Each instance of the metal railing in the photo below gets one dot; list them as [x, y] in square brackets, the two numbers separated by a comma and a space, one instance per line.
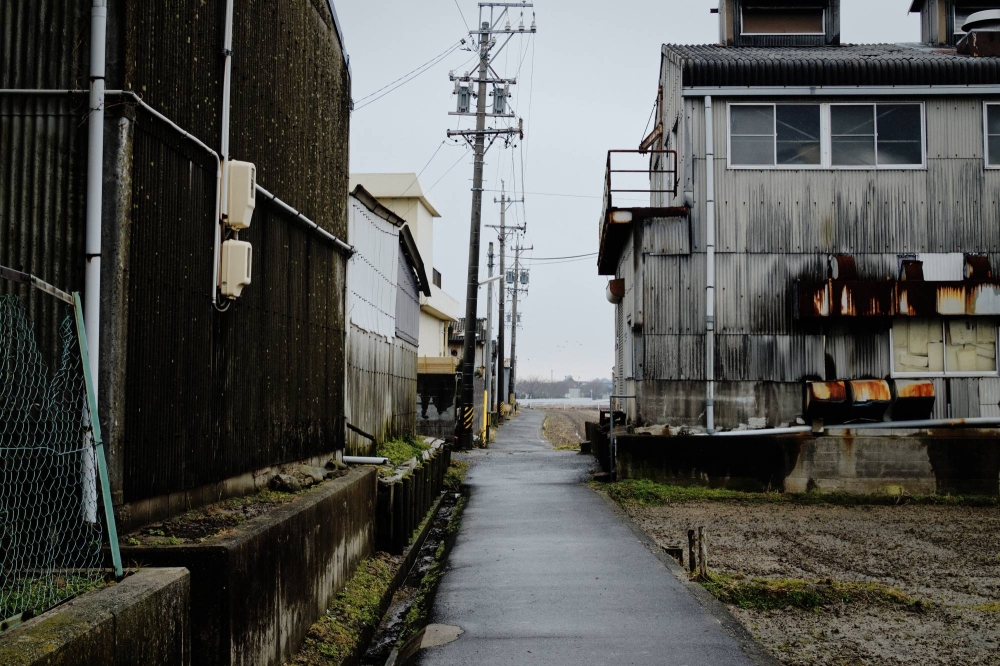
[53, 473]
[667, 169]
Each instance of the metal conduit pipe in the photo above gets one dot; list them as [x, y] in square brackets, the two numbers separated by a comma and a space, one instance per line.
[92, 241]
[709, 270]
[222, 207]
[341, 245]
[364, 460]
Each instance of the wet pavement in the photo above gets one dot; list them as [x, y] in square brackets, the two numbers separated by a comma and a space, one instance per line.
[545, 572]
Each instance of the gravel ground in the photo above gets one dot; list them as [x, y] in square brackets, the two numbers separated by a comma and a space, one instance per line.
[564, 427]
[947, 557]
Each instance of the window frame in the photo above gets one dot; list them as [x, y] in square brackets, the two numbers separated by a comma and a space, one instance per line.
[894, 374]
[986, 135]
[743, 33]
[826, 141]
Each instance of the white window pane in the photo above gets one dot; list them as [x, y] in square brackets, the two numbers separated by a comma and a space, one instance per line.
[853, 150]
[994, 148]
[798, 128]
[752, 150]
[900, 139]
[752, 120]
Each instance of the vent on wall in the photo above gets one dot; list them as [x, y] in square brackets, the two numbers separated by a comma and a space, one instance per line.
[783, 20]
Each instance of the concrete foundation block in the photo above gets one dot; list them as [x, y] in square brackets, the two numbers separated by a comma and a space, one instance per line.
[144, 619]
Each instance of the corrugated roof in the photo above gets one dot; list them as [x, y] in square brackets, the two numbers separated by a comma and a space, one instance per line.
[847, 65]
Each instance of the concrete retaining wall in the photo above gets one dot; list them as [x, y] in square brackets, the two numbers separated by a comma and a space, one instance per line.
[958, 462]
[257, 590]
[403, 499]
[140, 621]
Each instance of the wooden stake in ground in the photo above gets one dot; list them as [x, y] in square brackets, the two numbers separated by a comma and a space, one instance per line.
[692, 562]
[702, 553]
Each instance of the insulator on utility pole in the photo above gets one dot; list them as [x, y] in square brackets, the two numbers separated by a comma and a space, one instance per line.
[487, 42]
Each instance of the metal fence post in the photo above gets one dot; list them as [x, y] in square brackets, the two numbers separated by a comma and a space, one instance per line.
[102, 465]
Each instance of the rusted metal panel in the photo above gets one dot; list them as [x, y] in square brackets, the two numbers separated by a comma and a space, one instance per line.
[889, 298]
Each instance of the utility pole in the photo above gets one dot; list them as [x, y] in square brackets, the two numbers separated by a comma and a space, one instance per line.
[487, 352]
[502, 231]
[477, 138]
[513, 319]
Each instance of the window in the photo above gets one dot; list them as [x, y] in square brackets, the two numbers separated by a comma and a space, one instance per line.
[848, 136]
[783, 21]
[943, 348]
[876, 135]
[992, 134]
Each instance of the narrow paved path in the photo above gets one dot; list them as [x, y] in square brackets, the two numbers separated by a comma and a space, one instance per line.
[544, 572]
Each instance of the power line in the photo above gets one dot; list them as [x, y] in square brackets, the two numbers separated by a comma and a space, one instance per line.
[409, 76]
[571, 256]
[463, 16]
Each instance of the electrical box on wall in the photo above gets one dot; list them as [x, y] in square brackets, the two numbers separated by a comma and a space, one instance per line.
[242, 194]
[237, 257]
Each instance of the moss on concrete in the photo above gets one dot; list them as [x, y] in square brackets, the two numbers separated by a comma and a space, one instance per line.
[334, 637]
[417, 616]
[455, 475]
[398, 451]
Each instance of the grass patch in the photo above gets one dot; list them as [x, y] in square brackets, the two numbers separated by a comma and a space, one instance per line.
[455, 475]
[398, 451]
[993, 607]
[642, 492]
[334, 637]
[762, 594]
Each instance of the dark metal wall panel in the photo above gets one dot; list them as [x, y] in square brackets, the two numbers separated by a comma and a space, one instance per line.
[407, 302]
[43, 146]
[869, 65]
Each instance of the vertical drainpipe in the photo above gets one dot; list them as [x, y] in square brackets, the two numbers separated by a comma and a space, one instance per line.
[95, 183]
[222, 198]
[709, 269]
[92, 243]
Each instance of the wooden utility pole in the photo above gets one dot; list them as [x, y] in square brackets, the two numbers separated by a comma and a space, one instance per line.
[502, 231]
[513, 320]
[477, 138]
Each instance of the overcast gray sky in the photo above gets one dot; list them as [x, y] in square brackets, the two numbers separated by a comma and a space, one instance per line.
[586, 85]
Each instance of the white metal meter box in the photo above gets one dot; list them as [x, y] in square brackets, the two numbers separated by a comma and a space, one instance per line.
[242, 194]
[237, 257]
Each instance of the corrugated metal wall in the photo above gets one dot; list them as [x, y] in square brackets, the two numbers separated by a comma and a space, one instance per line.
[407, 303]
[381, 396]
[776, 227]
[43, 147]
[210, 396]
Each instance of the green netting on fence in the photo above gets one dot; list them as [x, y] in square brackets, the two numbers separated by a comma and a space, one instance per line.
[51, 532]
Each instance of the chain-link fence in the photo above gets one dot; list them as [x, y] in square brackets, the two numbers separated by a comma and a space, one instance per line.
[53, 527]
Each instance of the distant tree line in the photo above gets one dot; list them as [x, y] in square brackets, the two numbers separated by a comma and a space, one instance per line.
[539, 387]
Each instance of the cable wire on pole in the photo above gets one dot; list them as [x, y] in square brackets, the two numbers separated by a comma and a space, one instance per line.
[409, 76]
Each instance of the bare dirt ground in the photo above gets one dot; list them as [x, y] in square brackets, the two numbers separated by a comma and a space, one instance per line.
[564, 427]
[947, 557]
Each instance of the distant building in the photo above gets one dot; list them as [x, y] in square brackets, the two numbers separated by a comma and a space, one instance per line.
[821, 237]
[403, 194]
[456, 342]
